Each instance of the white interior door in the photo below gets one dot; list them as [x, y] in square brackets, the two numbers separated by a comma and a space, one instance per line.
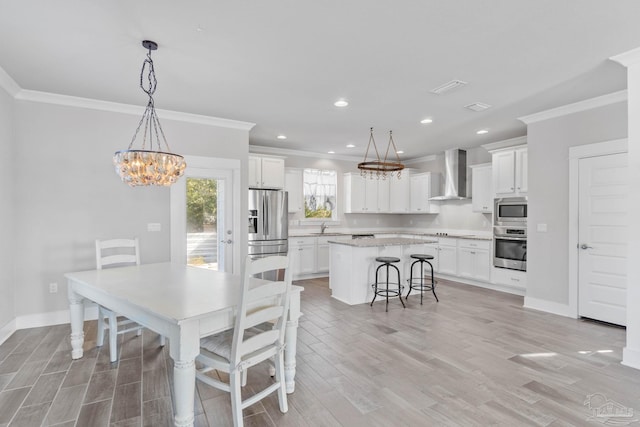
[602, 245]
[202, 227]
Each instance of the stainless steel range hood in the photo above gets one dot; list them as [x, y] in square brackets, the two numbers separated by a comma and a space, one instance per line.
[455, 175]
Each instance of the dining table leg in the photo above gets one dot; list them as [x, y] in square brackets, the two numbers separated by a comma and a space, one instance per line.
[184, 347]
[76, 311]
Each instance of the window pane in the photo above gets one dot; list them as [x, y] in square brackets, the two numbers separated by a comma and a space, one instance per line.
[202, 222]
[319, 188]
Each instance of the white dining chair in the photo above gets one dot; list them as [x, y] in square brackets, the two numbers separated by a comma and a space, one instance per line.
[109, 254]
[258, 335]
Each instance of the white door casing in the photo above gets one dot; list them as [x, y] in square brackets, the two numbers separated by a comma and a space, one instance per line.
[602, 242]
[228, 172]
[576, 154]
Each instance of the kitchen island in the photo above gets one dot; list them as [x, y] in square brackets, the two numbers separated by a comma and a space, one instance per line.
[353, 264]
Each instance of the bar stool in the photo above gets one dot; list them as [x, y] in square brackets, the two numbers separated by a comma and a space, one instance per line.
[387, 262]
[422, 258]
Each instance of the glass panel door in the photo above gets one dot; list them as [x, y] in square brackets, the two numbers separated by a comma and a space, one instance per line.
[205, 222]
[202, 206]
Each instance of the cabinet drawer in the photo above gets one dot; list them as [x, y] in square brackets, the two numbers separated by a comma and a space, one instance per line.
[512, 278]
[475, 244]
[448, 241]
[298, 241]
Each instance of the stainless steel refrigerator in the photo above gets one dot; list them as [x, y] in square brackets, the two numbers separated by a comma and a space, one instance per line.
[268, 223]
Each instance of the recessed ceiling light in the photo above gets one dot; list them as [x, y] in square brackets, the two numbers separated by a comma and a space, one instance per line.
[482, 131]
[400, 152]
[351, 146]
[331, 152]
[341, 103]
[426, 121]
[281, 136]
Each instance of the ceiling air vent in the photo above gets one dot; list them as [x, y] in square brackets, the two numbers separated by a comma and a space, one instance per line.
[453, 84]
[477, 106]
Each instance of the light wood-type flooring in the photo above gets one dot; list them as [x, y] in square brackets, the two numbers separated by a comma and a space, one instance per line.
[476, 358]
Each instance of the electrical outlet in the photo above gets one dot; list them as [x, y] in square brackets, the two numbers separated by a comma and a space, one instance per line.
[53, 288]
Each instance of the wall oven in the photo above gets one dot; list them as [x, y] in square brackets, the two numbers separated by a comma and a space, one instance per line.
[510, 211]
[510, 247]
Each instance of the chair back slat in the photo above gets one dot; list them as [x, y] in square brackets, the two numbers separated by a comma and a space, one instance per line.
[267, 338]
[117, 252]
[261, 301]
[267, 290]
[264, 315]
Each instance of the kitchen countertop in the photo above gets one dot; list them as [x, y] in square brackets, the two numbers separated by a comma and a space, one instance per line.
[380, 241]
[378, 233]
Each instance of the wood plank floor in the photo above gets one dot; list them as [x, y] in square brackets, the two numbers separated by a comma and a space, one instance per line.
[476, 358]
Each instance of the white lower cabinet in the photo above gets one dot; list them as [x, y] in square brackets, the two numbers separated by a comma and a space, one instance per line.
[509, 278]
[474, 259]
[302, 253]
[432, 249]
[448, 255]
[322, 255]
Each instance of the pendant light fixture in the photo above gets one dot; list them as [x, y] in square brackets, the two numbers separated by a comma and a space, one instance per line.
[380, 168]
[149, 166]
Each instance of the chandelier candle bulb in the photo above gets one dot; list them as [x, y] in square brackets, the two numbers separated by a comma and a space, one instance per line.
[149, 166]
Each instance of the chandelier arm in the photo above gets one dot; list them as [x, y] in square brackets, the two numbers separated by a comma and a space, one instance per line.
[135, 135]
[159, 126]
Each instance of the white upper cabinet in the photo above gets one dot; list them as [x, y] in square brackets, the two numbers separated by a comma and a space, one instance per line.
[522, 161]
[365, 195]
[482, 188]
[266, 172]
[423, 187]
[400, 193]
[510, 172]
[293, 186]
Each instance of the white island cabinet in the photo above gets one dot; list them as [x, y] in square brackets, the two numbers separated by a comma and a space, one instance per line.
[353, 265]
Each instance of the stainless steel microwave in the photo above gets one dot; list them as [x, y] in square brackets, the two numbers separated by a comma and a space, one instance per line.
[510, 211]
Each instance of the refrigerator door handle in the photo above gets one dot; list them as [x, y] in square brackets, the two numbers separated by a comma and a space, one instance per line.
[265, 222]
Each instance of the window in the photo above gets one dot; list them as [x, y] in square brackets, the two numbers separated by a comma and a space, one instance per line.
[319, 189]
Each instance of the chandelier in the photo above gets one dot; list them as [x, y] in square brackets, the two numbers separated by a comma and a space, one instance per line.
[146, 166]
[379, 168]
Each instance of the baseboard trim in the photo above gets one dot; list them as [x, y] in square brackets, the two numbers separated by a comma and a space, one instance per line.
[548, 306]
[52, 318]
[486, 285]
[631, 357]
[7, 330]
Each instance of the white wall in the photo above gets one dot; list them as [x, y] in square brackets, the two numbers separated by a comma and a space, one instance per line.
[7, 226]
[549, 142]
[67, 193]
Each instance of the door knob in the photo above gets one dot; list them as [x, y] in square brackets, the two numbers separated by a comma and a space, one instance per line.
[585, 246]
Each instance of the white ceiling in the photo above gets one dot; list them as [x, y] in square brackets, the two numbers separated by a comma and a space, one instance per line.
[282, 63]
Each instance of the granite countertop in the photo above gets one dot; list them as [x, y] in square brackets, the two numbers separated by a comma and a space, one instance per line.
[381, 241]
[414, 233]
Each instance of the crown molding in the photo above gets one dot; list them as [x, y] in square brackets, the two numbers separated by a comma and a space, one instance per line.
[628, 58]
[8, 84]
[428, 158]
[587, 104]
[261, 149]
[507, 143]
[94, 104]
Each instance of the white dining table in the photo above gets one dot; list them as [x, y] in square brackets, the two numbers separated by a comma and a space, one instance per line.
[180, 302]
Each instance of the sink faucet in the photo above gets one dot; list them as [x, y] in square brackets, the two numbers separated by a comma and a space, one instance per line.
[323, 227]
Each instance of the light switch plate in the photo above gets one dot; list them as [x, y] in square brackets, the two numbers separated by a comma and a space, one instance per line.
[154, 226]
[542, 228]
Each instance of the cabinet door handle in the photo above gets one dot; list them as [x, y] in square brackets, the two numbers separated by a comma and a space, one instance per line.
[472, 253]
